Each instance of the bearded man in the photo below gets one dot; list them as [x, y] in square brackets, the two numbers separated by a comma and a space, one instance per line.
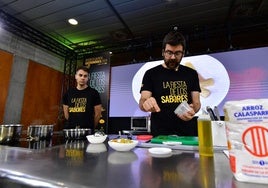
[167, 85]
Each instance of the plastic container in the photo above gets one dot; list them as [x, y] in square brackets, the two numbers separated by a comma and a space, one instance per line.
[182, 108]
[205, 142]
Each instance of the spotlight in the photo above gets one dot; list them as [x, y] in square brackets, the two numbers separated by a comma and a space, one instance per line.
[73, 21]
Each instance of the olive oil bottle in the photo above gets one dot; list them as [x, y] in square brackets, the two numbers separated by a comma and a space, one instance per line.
[205, 135]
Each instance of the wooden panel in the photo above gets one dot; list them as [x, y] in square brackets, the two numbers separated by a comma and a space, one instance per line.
[42, 96]
[6, 61]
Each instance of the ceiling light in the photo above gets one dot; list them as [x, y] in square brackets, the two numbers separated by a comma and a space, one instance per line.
[73, 21]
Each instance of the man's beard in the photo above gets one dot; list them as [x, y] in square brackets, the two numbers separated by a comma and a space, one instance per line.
[172, 63]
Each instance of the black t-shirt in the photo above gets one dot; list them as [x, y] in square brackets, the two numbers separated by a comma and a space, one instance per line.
[170, 88]
[81, 107]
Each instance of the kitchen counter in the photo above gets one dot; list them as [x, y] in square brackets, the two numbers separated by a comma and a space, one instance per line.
[78, 164]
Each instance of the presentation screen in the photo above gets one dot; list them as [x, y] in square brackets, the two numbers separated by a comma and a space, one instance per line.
[224, 76]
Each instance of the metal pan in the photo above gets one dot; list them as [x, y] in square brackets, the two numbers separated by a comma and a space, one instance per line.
[10, 133]
[40, 132]
[76, 134]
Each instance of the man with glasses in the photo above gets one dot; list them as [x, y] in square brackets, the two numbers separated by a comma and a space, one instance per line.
[167, 85]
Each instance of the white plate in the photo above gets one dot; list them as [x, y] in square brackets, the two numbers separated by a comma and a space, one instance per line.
[160, 151]
[172, 143]
[161, 156]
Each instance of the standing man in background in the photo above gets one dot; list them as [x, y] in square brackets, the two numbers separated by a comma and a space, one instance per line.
[82, 104]
[167, 85]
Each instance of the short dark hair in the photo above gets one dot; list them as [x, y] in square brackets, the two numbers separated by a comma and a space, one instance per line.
[174, 38]
[84, 68]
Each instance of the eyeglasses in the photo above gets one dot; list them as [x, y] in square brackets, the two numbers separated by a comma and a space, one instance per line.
[169, 53]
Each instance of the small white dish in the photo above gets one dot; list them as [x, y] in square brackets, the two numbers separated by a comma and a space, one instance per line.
[161, 156]
[160, 151]
[172, 143]
[96, 139]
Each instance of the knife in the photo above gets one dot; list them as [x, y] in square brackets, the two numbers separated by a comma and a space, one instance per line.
[211, 114]
[216, 111]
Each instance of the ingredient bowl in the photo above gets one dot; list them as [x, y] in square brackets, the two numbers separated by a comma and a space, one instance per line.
[123, 144]
[96, 139]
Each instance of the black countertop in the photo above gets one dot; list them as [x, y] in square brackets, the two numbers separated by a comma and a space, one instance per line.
[78, 164]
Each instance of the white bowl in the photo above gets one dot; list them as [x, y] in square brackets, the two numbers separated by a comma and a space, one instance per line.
[119, 146]
[96, 139]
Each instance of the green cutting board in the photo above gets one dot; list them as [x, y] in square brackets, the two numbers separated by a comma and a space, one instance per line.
[185, 140]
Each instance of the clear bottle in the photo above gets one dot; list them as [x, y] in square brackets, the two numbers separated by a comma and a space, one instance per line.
[205, 135]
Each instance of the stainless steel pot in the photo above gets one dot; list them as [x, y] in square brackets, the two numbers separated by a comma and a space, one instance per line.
[10, 133]
[76, 134]
[46, 132]
[40, 132]
[33, 132]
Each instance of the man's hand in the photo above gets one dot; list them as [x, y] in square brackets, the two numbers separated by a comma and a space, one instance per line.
[187, 116]
[150, 105]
